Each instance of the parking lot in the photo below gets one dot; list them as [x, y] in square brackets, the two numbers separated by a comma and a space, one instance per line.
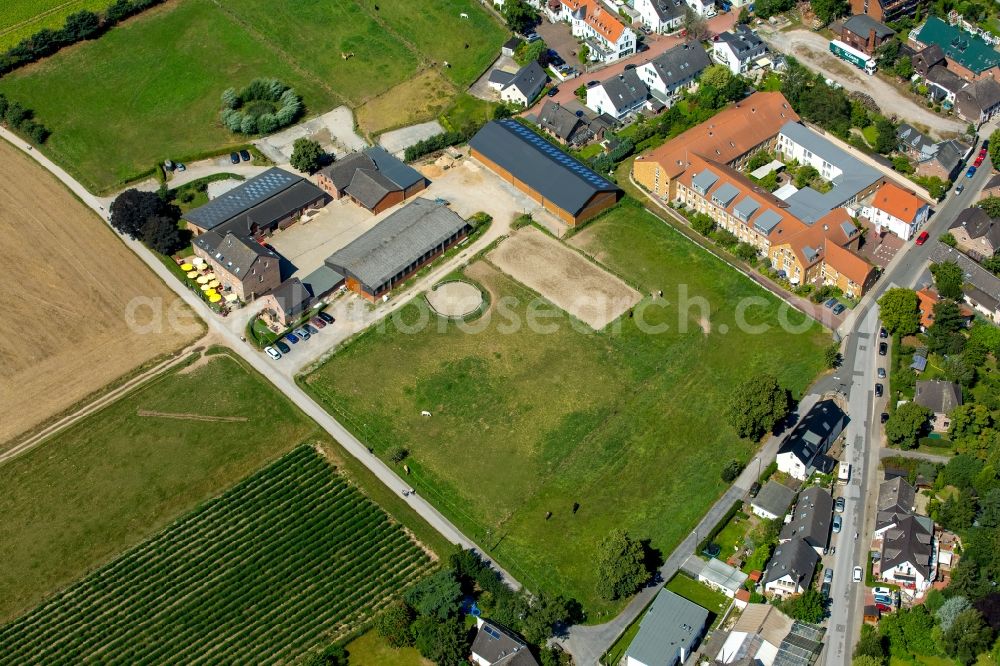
[306, 245]
[561, 40]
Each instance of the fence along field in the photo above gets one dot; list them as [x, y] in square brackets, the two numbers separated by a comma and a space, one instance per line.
[287, 559]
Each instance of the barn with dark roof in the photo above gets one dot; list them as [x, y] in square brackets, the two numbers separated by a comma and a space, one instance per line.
[564, 186]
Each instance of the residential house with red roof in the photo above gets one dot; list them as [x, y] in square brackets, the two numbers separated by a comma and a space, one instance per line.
[898, 210]
[606, 37]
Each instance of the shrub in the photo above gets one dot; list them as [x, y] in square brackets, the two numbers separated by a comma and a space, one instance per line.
[731, 470]
[263, 106]
[398, 454]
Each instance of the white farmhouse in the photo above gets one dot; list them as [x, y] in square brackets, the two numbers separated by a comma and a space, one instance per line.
[673, 71]
[810, 439]
[606, 37]
[662, 16]
[738, 49]
[897, 210]
[521, 87]
[619, 97]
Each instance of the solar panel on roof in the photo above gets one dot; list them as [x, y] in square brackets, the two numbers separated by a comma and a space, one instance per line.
[491, 632]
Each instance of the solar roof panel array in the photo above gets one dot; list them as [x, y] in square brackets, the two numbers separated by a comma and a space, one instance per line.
[242, 198]
[556, 154]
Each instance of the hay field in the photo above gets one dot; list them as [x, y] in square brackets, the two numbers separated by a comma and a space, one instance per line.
[565, 277]
[68, 283]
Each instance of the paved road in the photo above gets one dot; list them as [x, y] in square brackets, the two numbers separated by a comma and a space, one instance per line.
[813, 50]
[863, 444]
[259, 362]
[588, 643]
[657, 45]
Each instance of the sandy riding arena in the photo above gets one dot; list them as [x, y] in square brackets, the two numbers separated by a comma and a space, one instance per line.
[68, 283]
[455, 299]
[564, 277]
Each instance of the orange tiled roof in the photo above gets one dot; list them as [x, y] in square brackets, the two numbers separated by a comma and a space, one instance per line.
[599, 18]
[728, 134]
[848, 264]
[927, 298]
[897, 202]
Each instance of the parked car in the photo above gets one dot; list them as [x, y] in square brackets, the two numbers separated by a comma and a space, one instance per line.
[880, 373]
[325, 317]
[181, 167]
[291, 337]
[169, 165]
[840, 504]
[825, 590]
[959, 189]
[971, 172]
[272, 352]
[883, 591]
[883, 599]
[838, 523]
[532, 37]
[245, 155]
[302, 333]
[859, 574]
[234, 158]
[282, 347]
[830, 302]
[883, 608]
[922, 238]
[310, 329]
[317, 322]
[878, 390]
[883, 349]
[983, 151]
[884, 417]
[838, 308]
[828, 576]
[754, 489]
[552, 91]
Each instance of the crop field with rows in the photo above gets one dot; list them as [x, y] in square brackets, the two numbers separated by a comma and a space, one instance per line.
[288, 559]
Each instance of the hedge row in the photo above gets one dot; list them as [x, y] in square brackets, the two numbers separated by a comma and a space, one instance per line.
[78, 27]
[22, 121]
[704, 543]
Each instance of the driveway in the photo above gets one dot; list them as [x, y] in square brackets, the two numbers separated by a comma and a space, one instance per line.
[813, 50]
[334, 130]
[657, 45]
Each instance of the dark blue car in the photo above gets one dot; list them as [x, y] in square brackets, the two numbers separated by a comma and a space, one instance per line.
[971, 172]
[291, 337]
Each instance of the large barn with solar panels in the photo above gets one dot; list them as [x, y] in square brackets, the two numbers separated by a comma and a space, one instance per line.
[266, 202]
[564, 186]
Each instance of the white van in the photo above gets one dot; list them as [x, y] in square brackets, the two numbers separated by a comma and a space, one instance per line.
[844, 473]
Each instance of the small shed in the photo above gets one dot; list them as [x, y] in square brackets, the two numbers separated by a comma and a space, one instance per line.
[510, 47]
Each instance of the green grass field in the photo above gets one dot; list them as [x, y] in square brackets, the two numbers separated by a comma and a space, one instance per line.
[116, 477]
[287, 560]
[149, 89]
[626, 424]
[712, 601]
[23, 18]
[370, 650]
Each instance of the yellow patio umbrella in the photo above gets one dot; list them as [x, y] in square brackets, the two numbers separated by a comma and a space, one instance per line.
[213, 283]
[210, 276]
[214, 298]
[205, 287]
[186, 267]
[203, 280]
[192, 274]
[210, 291]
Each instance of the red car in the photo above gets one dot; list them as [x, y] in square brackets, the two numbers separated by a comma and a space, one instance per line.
[922, 238]
[979, 161]
[982, 153]
[883, 608]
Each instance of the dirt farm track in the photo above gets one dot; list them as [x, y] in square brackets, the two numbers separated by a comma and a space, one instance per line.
[67, 286]
[564, 277]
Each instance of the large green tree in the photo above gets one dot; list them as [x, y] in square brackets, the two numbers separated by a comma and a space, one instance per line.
[393, 625]
[899, 311]
[531, 52]
[435, 596]
[445, 642]
[870, 644]
[907, 424]
[991, 205]
[810, 606]
[307, 155]
[621, 566]
[967, 638]
[757, 405]
[885, 136]
[519, 15]
[948, 278]
[827, 10]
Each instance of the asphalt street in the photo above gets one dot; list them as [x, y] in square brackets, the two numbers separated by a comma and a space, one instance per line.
[863, 444]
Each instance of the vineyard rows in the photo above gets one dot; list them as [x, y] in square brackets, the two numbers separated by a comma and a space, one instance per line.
[286, 559]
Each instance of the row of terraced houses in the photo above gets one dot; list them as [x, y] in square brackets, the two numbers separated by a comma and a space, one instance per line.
[809, 236]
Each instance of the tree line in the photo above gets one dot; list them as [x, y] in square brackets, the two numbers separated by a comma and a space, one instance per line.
[22, 120]
[78, 26]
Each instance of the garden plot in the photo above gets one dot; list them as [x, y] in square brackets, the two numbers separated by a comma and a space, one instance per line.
[564, 277]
